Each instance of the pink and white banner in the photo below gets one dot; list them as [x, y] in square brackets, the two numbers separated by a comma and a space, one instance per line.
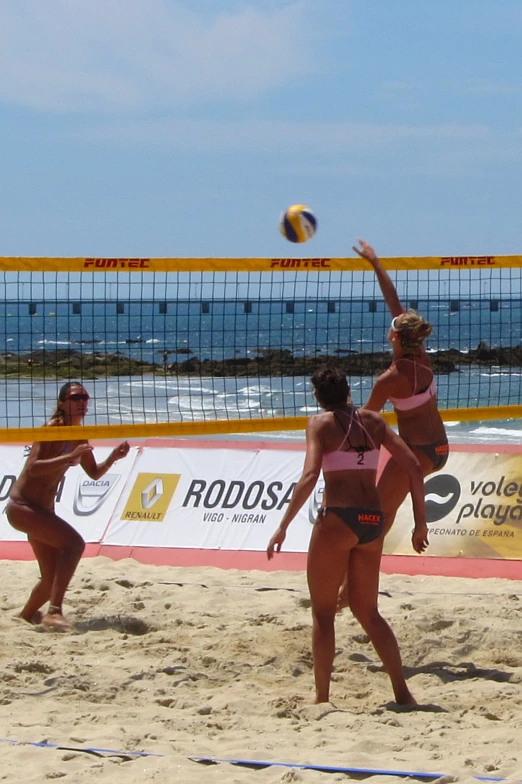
[170, 496]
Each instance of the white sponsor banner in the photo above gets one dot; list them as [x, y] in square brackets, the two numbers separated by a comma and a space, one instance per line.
[12, 459]
[234, 499]
[85, 503]
[209, 498]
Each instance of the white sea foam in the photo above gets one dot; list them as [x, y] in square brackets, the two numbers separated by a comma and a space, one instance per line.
[502, 374]
[54, 342]
[159, 399]
[497, 432]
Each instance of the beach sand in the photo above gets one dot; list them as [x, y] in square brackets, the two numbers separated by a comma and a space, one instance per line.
[182, 662]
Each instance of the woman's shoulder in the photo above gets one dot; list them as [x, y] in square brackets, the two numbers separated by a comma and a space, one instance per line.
[369, 417]
[372, 422]
[389, 375]
[320, 419]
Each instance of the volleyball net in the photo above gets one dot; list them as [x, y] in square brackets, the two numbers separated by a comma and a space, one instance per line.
[170, 347]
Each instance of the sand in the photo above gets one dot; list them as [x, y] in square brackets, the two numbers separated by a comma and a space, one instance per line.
[182, 662]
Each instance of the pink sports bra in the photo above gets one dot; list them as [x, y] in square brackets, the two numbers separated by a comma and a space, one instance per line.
[417, 399]
[353, 458]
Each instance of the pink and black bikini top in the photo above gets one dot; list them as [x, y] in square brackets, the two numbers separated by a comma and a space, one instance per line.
[355, 457]
[418, 398]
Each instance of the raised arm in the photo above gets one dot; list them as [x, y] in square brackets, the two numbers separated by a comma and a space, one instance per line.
[378, 396]
[42, 465]
[97, 470]
[303, 488]
[389, 292]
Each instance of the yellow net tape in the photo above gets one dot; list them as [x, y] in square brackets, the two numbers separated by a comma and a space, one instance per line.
[220, 427]
[308, 264]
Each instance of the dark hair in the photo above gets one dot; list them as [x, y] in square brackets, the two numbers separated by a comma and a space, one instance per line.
[62, 395]
[331, 386]
[413, 329]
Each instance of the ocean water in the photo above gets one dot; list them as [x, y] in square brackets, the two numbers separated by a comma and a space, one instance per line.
[227, 331]
[25, 403]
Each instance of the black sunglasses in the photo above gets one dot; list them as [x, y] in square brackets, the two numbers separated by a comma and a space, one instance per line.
[79, 396]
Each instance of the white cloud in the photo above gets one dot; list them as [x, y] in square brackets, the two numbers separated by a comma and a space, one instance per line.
[64, 55]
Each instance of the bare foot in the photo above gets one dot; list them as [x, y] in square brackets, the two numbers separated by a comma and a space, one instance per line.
[55, 622]
[33, 619]
[405, 698]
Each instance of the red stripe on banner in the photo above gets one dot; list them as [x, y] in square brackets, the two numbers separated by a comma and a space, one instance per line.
[193, 443]
[291, 562]
[22, 551]
[223, 559]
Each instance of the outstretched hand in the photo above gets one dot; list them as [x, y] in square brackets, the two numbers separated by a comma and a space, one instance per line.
[419, 539]
[365, 251]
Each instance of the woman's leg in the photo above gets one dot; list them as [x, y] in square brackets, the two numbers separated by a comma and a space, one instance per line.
[47, 557]
[44, 527]
[363, 589]
[328, 555]
[393, 487]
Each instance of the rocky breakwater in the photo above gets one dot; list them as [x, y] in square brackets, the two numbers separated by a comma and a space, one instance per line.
[69, 363]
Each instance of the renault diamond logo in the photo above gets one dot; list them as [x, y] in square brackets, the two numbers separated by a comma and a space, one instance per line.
[91, 493]
[150, 497]
[151, 493]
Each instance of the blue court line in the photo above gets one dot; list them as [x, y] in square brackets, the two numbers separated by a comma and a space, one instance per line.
[251, 587]
[384, 592]
[85, 749]
[246, 763]
[257, 764]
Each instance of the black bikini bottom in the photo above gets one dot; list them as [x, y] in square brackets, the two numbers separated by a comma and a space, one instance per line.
[438, 453]
[367, 524]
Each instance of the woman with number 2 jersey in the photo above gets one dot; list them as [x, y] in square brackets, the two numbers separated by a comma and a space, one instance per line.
[344, 442]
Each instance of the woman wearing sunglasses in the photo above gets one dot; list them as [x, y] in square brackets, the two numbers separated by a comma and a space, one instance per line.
[57, 546]
[409, 385]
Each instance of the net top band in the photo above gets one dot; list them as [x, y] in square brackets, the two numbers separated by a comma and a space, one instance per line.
[304, 264]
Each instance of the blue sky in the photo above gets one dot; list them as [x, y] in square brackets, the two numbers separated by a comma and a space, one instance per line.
[163, 128]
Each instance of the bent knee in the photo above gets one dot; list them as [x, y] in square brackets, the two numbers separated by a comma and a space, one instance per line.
[16, 517]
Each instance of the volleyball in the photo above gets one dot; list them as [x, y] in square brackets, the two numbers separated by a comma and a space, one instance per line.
[298, 223]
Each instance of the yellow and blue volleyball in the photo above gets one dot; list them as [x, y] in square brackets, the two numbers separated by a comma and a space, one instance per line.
[298, 223]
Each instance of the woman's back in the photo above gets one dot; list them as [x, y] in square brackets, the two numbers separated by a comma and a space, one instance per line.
[414, 398]
[350, 441]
